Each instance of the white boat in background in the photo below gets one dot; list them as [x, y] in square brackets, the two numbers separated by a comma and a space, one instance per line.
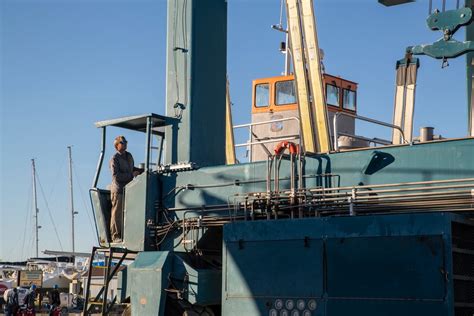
[58, 273]
[8, 278]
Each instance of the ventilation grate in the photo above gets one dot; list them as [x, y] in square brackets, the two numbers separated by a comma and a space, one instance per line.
[463, 268]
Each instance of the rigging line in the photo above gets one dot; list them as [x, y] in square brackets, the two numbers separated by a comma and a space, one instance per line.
[56, 180]
[30, 245]
[84, 201]
[28, 209]
[49, 211]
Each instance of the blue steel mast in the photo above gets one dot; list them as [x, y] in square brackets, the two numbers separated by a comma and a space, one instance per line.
[470, 73]
[196, 81]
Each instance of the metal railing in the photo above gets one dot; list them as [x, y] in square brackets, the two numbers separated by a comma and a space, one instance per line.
[366, 119]
[266, 140]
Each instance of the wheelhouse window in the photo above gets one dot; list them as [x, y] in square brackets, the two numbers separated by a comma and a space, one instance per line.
[349, 100]
[285, 92]
[262, 95]
[332, 95]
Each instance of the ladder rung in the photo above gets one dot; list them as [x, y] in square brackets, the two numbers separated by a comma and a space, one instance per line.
[462, 250]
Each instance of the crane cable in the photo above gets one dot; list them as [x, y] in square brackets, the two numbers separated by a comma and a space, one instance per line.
[49, 211]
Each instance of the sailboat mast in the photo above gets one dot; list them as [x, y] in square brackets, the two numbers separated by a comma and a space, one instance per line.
[72, 197]
[35, 200]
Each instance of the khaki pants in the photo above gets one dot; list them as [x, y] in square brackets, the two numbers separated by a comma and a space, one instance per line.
[116, 216]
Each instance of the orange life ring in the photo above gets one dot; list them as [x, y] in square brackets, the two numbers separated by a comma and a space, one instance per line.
[280, 148]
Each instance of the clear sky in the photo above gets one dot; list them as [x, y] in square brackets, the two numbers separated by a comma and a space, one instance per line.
[66, 64]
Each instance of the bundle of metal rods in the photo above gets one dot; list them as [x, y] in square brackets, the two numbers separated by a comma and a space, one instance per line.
[455, 195]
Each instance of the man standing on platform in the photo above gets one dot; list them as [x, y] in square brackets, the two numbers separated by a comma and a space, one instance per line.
[123, 171]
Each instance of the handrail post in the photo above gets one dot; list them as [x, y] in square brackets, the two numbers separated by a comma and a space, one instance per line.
[335, 131]
[250, 142]
[148, 143]
[367, 119]
[101, 159]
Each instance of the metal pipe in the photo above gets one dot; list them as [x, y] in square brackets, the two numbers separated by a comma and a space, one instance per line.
[371, 195]
[335, 198]
[300, 183]
[273, 140]
[300, 171]
[395, 196]
[399, 184]
[85, 309]
[398, 196]
[341, 197]
[269, 174]
[430, 188]
[148, 143]
[451, 203]
[162, 140]
[95, 220]
[427, 202]
[71, 196]
[366, 119]
[101, 159]
[250, 144]
[287, 54]
[267, 122]
[106, 280]
[449, 200]
[35, 203]
[326, 191]
[276, 175]
[407, 204]
[330, 189]
[371, 140]
[424, 201]
[335, 133]
[351, 206]
[292, 174]
[292, 181]
[447, 204]
[371, 192]
[276, 185]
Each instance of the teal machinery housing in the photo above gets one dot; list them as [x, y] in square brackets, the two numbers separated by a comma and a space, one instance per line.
[375, 231]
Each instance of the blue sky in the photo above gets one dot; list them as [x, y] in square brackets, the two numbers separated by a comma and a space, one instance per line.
[67, 64]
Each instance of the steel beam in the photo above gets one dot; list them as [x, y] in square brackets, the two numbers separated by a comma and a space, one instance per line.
[196, 81]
